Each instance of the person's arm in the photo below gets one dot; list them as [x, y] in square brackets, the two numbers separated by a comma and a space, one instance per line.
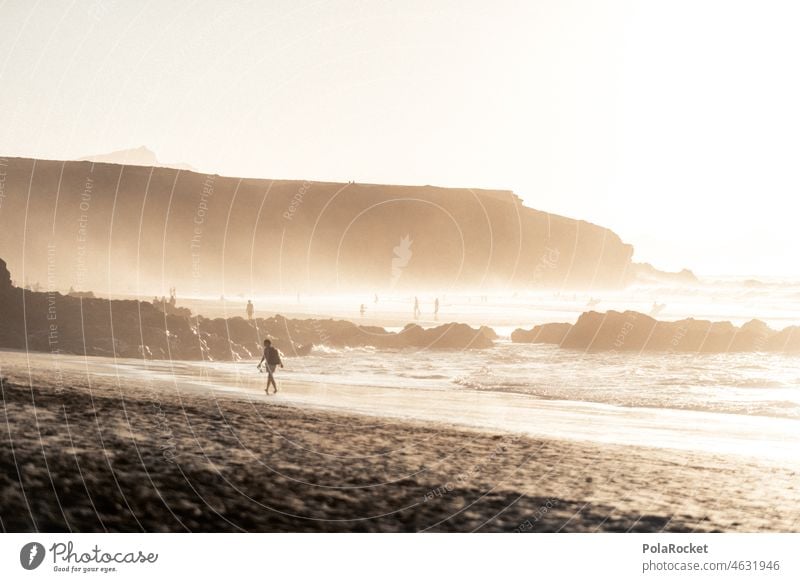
[280, 360]
[264, 357]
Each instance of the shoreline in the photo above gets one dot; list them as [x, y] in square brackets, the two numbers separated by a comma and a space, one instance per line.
[94, 456]
[751, 437]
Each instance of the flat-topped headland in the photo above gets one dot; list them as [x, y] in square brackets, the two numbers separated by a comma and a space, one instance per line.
[111, 224]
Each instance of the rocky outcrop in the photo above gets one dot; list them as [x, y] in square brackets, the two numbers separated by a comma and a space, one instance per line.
[548, 333]
[489, 333]
[647, 274]
[633, 331]
[786, 340]
[5, 279]
[214, 234]
[53, 322]
[141, 156]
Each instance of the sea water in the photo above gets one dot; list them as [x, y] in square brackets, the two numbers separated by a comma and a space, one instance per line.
[731, 403]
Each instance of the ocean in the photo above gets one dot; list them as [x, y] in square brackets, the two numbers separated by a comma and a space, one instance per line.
[729, 403]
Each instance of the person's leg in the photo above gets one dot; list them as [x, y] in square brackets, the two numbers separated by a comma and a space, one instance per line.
[271, 380]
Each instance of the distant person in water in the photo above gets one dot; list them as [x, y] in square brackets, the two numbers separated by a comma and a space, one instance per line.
[416, 308]
[436, 308]
[362, 309]
[250, 309]
[271, 360]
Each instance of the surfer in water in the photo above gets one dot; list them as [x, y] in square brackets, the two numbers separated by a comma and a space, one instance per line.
[271, 360]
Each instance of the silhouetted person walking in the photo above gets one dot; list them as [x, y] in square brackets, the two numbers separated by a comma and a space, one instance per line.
[250, 310]
[271, 360]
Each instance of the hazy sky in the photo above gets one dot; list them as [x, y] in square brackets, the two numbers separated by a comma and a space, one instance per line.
[675, 123]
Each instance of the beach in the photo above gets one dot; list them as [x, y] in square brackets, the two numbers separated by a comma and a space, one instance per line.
[90, 444]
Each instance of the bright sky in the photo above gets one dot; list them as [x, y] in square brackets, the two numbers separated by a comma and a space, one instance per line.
[675, 123]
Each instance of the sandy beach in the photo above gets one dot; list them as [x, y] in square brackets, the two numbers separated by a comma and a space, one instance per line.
[89, 451]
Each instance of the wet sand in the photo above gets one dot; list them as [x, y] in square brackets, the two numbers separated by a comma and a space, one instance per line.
[102, 453]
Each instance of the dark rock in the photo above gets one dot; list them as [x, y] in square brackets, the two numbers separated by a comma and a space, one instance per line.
[787, 340]
[609, 331]
[633, 331]
[454, 336]
[648, 274]
[136, 329]
[489, 333]
[5, 278]
[548, 333]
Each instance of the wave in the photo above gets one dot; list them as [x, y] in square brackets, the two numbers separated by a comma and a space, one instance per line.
[757, 383]
[470, 383]
[323, 349]
[424, 376]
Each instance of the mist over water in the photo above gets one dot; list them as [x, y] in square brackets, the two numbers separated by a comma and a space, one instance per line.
[739, 383]
[775, 302]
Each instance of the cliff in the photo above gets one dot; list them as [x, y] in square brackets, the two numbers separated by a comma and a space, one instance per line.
[132, 229]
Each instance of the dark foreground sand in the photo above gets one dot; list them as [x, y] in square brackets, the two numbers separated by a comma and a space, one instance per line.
[100, 460]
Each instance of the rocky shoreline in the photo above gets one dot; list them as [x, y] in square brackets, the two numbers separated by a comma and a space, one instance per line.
[634, 331]
[52, 322]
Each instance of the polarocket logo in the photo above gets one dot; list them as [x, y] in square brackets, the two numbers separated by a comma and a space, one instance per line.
[31, 555]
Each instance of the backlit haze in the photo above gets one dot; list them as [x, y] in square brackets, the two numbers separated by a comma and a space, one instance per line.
[675, 124]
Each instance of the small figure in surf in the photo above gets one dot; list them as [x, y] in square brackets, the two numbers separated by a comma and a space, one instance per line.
[250, 310]
[362, 309]
[416, 308]
[271, 360]
[436, 308]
